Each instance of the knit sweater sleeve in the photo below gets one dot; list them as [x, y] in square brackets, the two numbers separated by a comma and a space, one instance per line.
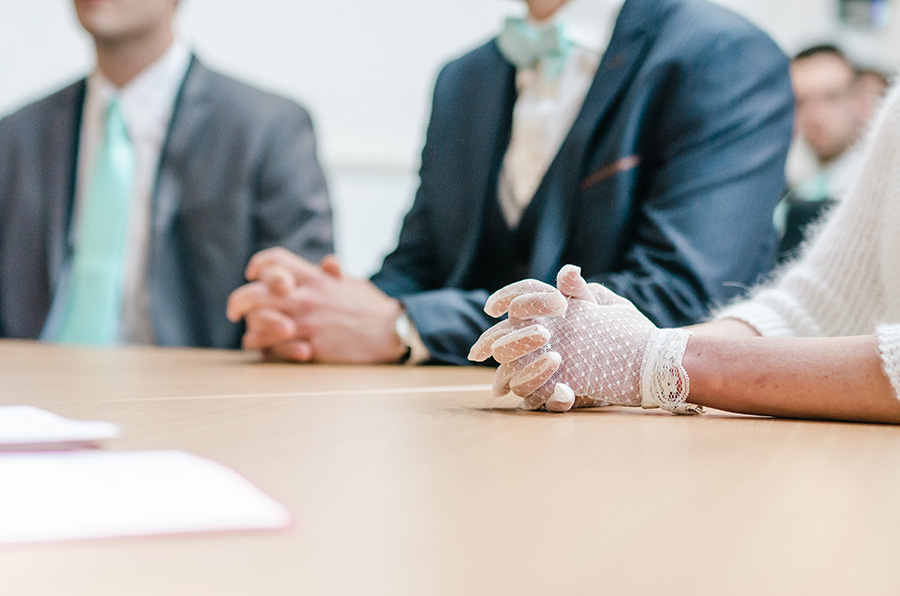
[889, 349]
[848, 280]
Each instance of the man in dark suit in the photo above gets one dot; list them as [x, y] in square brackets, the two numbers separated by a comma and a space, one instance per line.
[643, 140]
[210, 172]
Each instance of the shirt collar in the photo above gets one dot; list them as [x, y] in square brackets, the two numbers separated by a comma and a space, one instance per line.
[148, 99]
[588, 24]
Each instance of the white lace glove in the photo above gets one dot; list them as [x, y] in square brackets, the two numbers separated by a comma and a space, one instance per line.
[582, 345]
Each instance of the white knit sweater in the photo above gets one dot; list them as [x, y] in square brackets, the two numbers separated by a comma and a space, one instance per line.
[848, 280]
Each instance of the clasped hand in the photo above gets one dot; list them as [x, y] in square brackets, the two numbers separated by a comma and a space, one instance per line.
[580, 345]
[295, 310]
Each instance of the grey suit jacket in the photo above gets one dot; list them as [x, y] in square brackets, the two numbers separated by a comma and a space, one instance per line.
[238, 173]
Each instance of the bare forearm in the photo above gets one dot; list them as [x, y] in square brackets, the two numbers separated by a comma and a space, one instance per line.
[817, 378]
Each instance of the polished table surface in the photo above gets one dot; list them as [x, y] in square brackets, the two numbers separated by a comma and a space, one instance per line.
[409, 480]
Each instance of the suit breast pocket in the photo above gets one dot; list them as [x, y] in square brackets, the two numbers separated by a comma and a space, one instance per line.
[607, 171]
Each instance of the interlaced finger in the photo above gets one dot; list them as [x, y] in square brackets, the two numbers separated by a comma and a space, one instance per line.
[538, 304]
[536, 373]
[498, 303]
[481, 349]
[501, 380]
[518, 343]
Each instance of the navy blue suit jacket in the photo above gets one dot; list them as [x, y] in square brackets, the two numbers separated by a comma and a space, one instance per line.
[663, 189]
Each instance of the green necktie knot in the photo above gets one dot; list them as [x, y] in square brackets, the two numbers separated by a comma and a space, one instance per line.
[526, 46]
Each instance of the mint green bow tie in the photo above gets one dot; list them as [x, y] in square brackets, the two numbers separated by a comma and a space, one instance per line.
[526, 46]
[94, 303]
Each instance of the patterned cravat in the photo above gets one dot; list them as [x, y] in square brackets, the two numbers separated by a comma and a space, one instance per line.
[94, 304]
[526, 46]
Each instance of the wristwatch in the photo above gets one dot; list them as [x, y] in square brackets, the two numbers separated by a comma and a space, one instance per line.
[404, 330]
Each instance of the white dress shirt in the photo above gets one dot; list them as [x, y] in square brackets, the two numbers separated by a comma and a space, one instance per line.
[147, 102]
[546, 109]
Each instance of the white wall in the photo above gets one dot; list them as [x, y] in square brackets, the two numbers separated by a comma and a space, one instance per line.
[365, 69]
[796, 24]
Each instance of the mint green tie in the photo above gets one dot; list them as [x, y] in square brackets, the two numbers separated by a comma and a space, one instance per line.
[94, 304]
[525, 45]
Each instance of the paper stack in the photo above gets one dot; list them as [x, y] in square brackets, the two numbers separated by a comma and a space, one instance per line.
[26, 428]
[55, 486]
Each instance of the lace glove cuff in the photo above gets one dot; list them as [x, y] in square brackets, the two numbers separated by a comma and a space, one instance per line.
[664, 382]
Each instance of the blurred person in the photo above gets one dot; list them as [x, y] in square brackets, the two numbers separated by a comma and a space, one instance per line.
[831, 115]
[822, 341]
[871, 84]
[643, 138]
[131, 200]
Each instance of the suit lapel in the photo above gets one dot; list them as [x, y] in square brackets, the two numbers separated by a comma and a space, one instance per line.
[58, 181]
[188, 120]
[488, 137]
[625, 54]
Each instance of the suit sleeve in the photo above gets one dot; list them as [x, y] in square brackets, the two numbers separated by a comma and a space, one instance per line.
[448, 320]
[709, 183]
[292, 205]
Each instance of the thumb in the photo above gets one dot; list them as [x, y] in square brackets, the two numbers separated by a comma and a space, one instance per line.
[571, 284]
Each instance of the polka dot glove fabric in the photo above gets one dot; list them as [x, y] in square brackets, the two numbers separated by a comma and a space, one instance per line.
[581, 345]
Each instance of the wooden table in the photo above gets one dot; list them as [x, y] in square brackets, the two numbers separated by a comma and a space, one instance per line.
[416, 481]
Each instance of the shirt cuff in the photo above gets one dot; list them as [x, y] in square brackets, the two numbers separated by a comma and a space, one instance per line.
[418, 352]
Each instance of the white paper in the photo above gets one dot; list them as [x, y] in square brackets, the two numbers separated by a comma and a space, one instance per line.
[70, 495]
[27, 427]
